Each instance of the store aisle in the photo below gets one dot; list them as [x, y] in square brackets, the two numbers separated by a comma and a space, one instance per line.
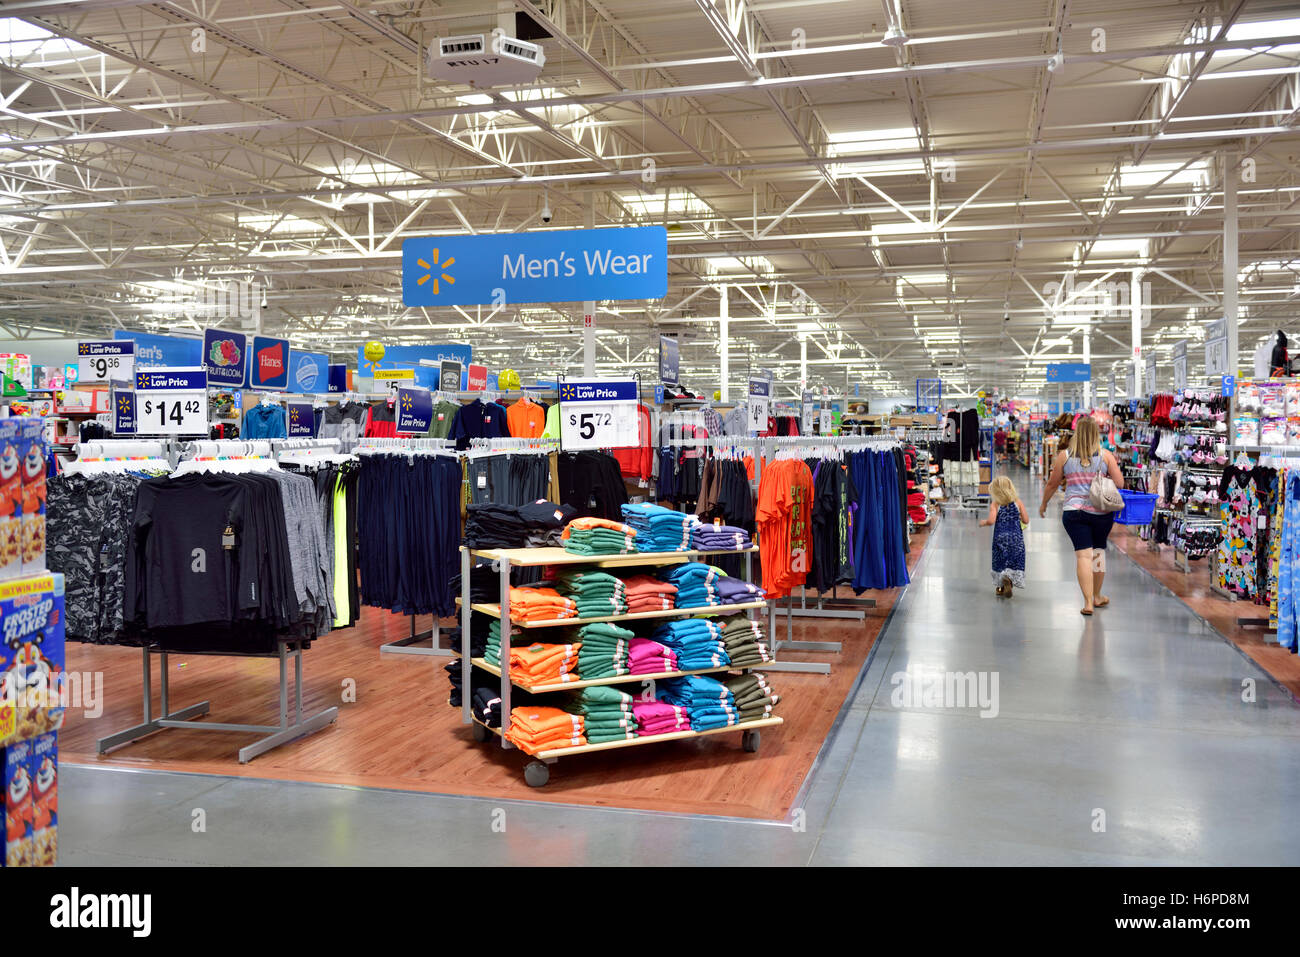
[1136, 713]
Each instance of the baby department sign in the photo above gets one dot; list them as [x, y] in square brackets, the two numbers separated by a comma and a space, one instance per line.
[571, 265]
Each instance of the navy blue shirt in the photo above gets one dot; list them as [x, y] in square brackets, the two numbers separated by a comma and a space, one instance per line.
[478, 420]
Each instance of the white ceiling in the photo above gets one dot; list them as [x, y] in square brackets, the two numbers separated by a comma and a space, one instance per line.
[928, 199]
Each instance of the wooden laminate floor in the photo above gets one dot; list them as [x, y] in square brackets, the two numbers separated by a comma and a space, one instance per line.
[1193, 589]
[400, 733]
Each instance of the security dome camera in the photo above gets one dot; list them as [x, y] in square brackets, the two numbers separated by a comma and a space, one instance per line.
[546, 213]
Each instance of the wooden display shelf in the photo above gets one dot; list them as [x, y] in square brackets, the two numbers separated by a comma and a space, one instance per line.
[532, 557]
[495, 612]
[616, 680]
[553, 753]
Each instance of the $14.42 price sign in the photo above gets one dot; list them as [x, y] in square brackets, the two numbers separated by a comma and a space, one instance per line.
[171, 402]
[598, 413]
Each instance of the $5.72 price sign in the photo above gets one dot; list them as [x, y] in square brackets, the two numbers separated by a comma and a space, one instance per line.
[171, 402]
[106, 361]
[598, 413]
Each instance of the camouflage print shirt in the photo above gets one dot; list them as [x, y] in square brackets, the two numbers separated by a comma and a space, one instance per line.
[88, 519]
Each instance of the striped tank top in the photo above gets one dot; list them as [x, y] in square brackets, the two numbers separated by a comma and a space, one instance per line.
[1078, 476]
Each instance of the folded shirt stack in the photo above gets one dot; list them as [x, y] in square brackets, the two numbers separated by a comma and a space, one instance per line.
[596, 594]
[607, 714]
[745, 641]
[753, 696]
[659, 529]
[486, 706]
[708, 701]
[537, 728]
[485, 699]
[646, 657]
[539, 664]
[717, 538]
[647, 593]
[540, 604]
[604, 651]
[492, 646]
[660, 717]
[697, 643]
[696, 584]
[598, 536]
[490, 525]
[735, 591]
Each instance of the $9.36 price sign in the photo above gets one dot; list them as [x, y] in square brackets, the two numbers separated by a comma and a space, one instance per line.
[171, 402]
[112, 360]
[598, 413]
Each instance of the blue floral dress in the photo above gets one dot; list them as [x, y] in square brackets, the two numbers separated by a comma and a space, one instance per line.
[1008, 547]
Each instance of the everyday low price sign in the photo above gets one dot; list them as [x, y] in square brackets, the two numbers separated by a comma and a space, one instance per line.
[415, 409]
[105, 361]
[598, 413]
[301, 420]
[171, 402]
[123, 412]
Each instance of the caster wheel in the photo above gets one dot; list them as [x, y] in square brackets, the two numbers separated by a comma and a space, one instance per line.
[749, 741]
[481, 734]
[536, 774]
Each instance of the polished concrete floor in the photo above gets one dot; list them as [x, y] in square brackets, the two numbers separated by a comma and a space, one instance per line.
[1123, 739]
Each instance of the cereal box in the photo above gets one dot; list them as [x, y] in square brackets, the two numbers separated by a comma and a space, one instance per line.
[11, 499]
[32, 657]
[33, 451]
[43, 770]
[18, 805]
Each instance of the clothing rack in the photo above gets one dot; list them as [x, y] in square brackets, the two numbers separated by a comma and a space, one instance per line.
[288, 729]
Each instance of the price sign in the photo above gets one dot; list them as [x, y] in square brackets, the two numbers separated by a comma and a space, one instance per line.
[415, 408]
[1180, 365]
[1150, 383]
[171, 402]
[760, 401]
[1216, 347]
[105, 361]
[598, 414]
[123, 412]
[301, 420]
[1110, 390]
[809, 412]
[1130, 384]
[827, 423]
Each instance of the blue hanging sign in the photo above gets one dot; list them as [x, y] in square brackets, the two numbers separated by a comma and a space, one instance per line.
[1069, 372]
[670, 360]
[301, 420]
[225, 356]
[571, 265]
[308, 371]
[1229, 385]
[268, 367]
[338, 378]
[414, 410]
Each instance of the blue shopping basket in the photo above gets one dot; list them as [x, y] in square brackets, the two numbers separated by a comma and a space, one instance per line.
[1138, 508]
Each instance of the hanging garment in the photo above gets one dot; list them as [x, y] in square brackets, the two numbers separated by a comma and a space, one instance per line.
[592, 484]
[526, 419]
[344, 422]
[1240, 508]
[1288, 612]
[880, 550]
[783, 518]
[478, 420]
[265, 422]
[381, 421]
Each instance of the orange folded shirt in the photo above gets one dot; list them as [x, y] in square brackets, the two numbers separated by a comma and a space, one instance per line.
[586, 524]
[538, 728]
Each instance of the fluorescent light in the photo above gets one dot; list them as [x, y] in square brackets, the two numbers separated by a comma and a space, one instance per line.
[756, 264]
[921, 279]
[895, 139]
[677, 202]
[1135, 177]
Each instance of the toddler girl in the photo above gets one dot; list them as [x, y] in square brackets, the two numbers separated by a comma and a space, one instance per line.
[1009, 518]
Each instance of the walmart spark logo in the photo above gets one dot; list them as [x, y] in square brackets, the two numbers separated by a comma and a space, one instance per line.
[407, 400]
[124, 404]
[568, 392]
[436, 268]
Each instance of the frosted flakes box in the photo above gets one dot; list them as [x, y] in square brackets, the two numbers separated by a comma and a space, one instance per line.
[32, 656]
[43, 769]
[11, 499]
[18, 805]
[32, 526]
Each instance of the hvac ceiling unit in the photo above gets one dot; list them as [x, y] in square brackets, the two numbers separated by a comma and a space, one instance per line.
[477, 61]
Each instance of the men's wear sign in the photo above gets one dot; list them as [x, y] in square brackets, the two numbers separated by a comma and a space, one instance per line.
[301, 420]
[105, 361]
[158, 352]
[598, 413]
[308, 372]
[572, 265]
[269, 366]
[670, 360]
[171, 402]
[225, 356]
[415, 409]
[123, 412]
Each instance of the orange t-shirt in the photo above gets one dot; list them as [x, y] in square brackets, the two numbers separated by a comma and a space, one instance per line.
[587, 524]
[784, 519]
[526, 419]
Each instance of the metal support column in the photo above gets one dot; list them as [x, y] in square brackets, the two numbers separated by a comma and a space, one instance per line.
[1230, 256]
[724, 345]
[1135, 330]
[503, 566]
[466, 666]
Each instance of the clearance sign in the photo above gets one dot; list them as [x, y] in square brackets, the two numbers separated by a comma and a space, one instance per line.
[564, 265]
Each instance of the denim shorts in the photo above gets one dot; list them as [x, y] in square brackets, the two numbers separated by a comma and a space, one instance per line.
[1087, 529]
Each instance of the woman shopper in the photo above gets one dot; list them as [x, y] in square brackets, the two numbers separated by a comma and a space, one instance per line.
[1087, 526]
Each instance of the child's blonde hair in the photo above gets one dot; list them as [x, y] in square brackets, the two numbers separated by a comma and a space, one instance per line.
[1003, 492]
